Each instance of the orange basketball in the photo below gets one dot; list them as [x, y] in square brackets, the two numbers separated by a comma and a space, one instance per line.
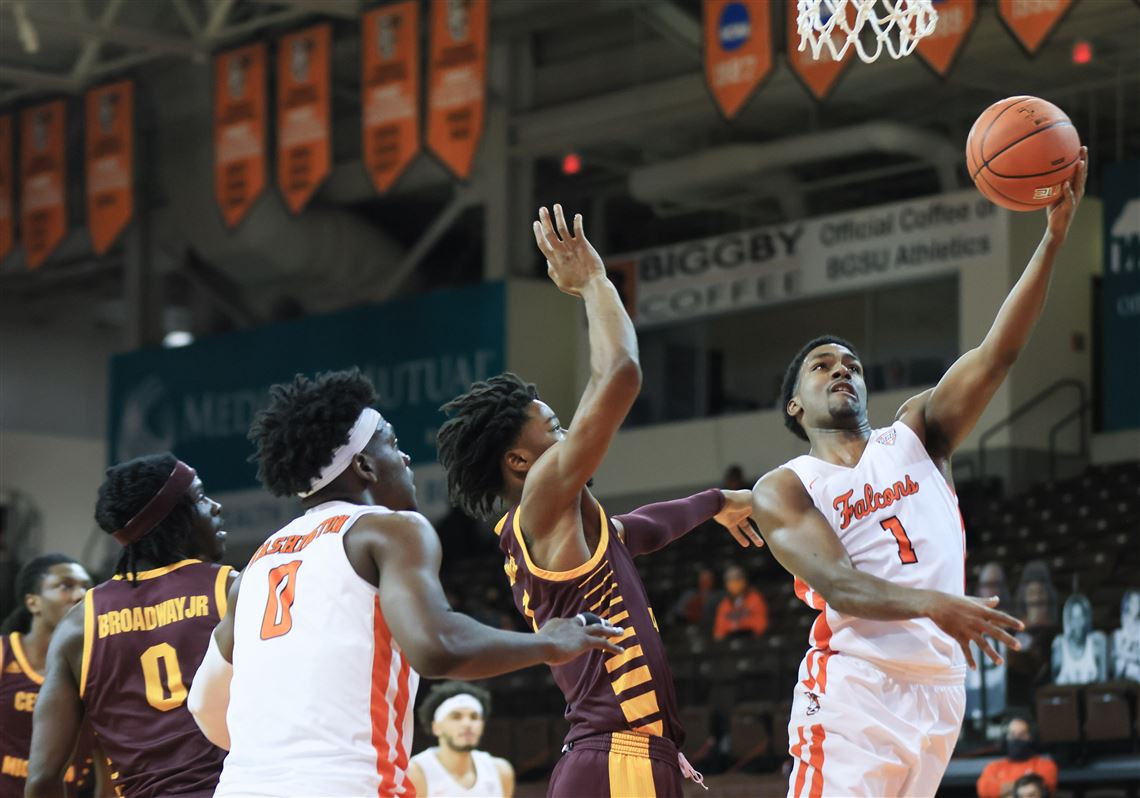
[1020, 152]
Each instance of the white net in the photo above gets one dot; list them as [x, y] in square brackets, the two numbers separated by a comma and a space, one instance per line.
[897, 25]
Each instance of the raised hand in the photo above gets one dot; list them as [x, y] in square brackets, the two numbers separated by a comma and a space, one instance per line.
[969, 618]
[735, 516]
[569, 638]
[1060, 214]
[571, 261]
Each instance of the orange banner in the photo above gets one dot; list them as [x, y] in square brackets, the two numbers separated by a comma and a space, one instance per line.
[304, 154]
[955, 21]
[43, 180]
[109, 146]
[457, 90]
[390, 50]
[818, 76]
[7, 222]
[738, 50]
[1031, 21]
[239, 130]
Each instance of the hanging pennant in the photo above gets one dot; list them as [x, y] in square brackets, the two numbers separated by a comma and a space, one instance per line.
[1032, 22]
[7, 220]
[390, 46]
[457, 85]
[239, 130]
[955, 21]
[43, 180]
[818, 75]
[304, 156]
[738, 50]
[109, 147]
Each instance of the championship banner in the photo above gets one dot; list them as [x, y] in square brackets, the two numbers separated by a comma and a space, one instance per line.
[818, 75]
[7, 222]
[738, 50]
[304, 156]
[1031, 22]
[239, 130]
[955, 21]
[390, 49]
[1120, 297]
[457, 88]
[109, 147]
[43, 180]
[834, 254]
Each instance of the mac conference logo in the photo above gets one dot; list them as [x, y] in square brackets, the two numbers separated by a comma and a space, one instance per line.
[146, 421]
[734, 27]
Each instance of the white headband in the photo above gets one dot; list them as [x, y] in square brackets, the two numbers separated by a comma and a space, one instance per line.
[461, 701]
[358, 437]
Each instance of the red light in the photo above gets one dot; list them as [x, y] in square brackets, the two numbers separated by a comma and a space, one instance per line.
[1082, 53]
[571, 163]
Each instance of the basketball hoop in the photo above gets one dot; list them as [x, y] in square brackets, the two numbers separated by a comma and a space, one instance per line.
[898, 25]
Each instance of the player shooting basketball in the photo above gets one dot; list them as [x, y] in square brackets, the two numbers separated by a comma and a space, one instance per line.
[868, 524]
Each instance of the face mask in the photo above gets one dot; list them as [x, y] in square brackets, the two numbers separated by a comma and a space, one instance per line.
[1019, 750]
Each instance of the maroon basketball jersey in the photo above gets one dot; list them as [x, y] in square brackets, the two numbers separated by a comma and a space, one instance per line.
[142, 645]
[19, 688]
[604, 692]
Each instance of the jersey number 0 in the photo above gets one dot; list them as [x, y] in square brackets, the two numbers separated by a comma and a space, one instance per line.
[278, 618]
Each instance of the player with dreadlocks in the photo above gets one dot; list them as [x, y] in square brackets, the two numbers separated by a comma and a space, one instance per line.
[564, 554]
[46, 587]
[347, 598]
[123, 660]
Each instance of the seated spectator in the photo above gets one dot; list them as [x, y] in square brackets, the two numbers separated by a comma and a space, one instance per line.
[1035, 603]
[1030, 786]
[1080, 655]
[1036, 600]
[991, 582]
[998, 777]
[697, 606]
[734, 479]
[1126, 639]
[742, 611]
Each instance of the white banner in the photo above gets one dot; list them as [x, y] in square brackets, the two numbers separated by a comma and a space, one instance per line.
[831, 254]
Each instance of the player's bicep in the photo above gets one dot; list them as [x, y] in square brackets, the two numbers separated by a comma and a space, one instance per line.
[798, 535]
[224, 631]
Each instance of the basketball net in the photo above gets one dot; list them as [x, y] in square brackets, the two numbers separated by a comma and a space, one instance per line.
[898, 25]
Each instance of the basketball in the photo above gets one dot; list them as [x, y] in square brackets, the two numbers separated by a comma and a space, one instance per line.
[1020, 152]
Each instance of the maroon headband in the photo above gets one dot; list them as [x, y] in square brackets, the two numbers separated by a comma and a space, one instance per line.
[155, 510]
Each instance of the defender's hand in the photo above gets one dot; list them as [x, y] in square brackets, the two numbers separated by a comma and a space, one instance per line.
[1060, 214]
[571, 261]
[735, 517]
[569, 638]
[970, 618]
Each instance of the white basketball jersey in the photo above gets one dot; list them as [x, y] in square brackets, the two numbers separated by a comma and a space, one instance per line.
[321, 699]
[898, 520]
[441, 784]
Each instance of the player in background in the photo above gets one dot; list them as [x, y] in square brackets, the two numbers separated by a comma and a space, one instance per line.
[47, 587]
[563, 554]
[868, 523]
[346, 600]
[455, 714]
[124, 659]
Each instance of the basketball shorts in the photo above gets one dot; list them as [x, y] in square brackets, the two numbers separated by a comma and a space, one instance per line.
[856, 730]
[617, 765]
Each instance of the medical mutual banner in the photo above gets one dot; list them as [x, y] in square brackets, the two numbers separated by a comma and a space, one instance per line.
[831, 254]
[1120, 297]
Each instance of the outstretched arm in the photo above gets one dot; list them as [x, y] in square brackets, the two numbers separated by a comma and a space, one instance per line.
[59, 710]
[805, 544]
[655, 526]
[952, 409]
[440, 642]
[560, 474]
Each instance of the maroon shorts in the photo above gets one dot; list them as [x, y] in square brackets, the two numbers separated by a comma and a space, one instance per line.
[617, 765]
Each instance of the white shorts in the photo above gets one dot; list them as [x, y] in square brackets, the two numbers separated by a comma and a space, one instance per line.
[857, 731]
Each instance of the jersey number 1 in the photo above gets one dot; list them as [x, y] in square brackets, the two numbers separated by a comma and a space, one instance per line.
[278, 618]
[906, 551]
